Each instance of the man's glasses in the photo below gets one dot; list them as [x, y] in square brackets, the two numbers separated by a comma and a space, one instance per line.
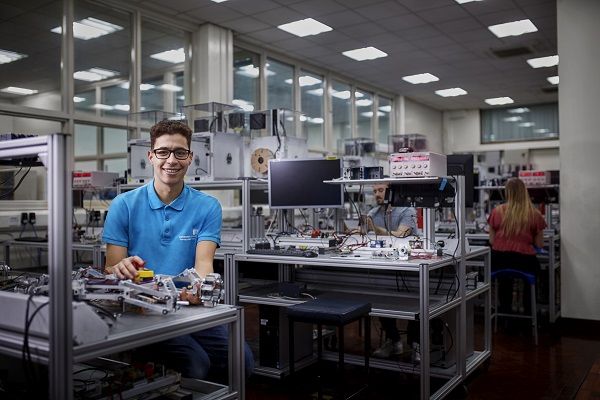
[180, 154]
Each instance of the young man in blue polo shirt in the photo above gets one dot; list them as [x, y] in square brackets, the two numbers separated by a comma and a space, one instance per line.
[167, 227]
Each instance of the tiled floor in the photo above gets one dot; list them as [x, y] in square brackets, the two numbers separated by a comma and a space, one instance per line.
[555, 369]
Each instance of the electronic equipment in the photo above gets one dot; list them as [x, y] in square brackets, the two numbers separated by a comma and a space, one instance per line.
[284, 252]
[94, 179]
[139, 169]
[414, 141]
[215, 156]
[304, 242]
[462, 164]
[363, 173]
[535, 178]
[299, 183]
[420, 164]
[273, 338]
[421, 195]
[264, 148]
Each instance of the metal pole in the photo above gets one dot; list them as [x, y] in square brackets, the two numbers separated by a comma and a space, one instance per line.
[461, 273]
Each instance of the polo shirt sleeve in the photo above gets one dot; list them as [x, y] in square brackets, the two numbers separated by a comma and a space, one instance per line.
[211, 227]
[407, 218]
[116, 226]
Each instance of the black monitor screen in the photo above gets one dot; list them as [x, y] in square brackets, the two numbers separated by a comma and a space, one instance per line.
[299, 183]
[462, 164]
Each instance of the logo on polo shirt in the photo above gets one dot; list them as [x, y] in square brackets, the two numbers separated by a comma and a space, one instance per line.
[193, 236]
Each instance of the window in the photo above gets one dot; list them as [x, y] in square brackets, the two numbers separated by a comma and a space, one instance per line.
[311, 89]
[30, 53]
[102, 62]
[364, 113]
[86, 140]
[341, 111]
[384, 127]
[100, 148]
[510, 124]
[246, 79]
[280, 88]
[163, 56]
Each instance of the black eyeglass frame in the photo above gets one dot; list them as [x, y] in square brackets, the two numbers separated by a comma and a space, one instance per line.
[174, 152]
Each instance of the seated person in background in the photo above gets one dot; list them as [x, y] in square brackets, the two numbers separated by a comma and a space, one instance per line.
[515, 228]
[169, 227]
[384, 219]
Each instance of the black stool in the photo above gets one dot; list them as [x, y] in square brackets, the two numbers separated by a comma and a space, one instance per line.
[337, 312]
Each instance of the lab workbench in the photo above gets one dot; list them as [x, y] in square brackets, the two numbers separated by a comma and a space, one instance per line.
[412, 306]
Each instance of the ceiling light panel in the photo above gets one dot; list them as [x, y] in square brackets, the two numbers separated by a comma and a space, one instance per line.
[18, 90]
[420, 78]
[218, 1]
[452, 92]
[7, 56]
[543, 62]
[466, 1]
[365, 53]
[90, 28]
[516, 28]
[553, 79]
[175, 56]
[497, 101]
[305, 27]
[94, 74]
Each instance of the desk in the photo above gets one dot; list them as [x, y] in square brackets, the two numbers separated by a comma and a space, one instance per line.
[408, 307]
[134, 330]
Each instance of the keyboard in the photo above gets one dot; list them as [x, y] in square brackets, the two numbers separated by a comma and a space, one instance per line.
[284, 252]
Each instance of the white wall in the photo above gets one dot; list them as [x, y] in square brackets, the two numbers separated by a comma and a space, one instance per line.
[578, 33]
[425, 121]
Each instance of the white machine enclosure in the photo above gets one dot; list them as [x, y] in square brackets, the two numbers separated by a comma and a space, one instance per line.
[263, 148]
[216, 156]
[139, 169]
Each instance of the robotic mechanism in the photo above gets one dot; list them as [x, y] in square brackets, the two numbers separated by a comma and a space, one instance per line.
[158, 293]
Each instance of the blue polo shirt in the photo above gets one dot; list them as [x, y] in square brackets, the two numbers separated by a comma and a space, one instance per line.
[399, 216]
[163, 235]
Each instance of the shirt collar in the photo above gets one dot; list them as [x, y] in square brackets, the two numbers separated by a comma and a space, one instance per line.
[156, 202]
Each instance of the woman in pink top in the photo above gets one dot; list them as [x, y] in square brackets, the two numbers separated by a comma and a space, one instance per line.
[515, 228]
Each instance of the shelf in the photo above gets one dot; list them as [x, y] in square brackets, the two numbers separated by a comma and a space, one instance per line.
[391, 181]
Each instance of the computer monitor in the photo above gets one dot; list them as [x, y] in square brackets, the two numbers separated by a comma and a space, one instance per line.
[462, 164]
[298, 183]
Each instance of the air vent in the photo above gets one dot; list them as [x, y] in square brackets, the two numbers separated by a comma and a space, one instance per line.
[511, 52]
[553, 89]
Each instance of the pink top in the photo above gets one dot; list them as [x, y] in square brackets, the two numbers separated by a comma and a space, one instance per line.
[521, 243]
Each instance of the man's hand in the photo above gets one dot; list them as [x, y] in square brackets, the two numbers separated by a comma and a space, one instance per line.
[127, 268]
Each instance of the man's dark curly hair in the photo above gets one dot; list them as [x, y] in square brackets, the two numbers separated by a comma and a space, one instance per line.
[170, 127]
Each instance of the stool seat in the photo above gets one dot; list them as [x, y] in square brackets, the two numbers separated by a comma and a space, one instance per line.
[515, 273]
[329, 311]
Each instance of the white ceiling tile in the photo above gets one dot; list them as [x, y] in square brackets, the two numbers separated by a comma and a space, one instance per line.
[401, 22]
[280, 16]
[245, 25]
[215, 13]
[363, 31]
[251, 7]
[342, 19]
[270, 35]
[382, 10]
[316, 8]
[459, 25]
[443, 14]
[500, 17]
[419, 5]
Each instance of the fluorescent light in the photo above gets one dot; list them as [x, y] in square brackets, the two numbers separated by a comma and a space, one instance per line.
[365, 53]
[100, 106]
[243, 104]
[369, 114]
[315, 92]
[90, 28]
[513, 119]
[170, 88]
[497, 101]
[553, 79]
[171, 56]
[515, 28]
[305, 27]
[526, 124]
[519, 110]
[344, 94]
[94, 74]
[218, 1]
[541, 130]
[18, 90]
[77, 99]
[541, 62]
[465, 1]
[386, 109]
[306, 80]
[363, 103]
[316, 120]
[451, 92]
[121, 107]
[358, 94]
[10, 56]
[143, 86]
[420, 78]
